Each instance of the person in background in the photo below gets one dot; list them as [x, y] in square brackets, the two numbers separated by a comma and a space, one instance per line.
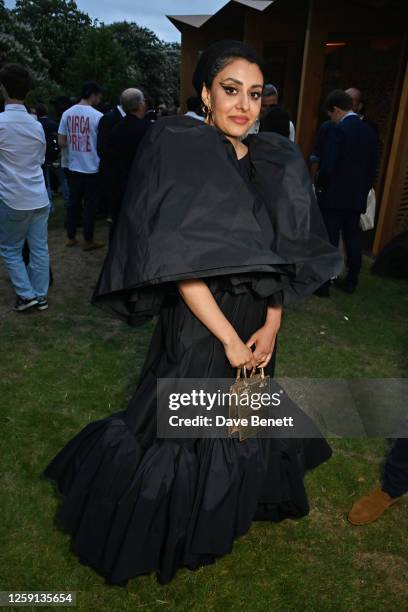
[24, 203]
[123, 144]
[78, 133]
[346, 175]
[105, 127]
[275, 119]
[270, 98]
[151, 114]
[370, 507]
[162, 111]
[194, 108]
[359, 107]
[61, 104]
[322, 140]
[50, 128]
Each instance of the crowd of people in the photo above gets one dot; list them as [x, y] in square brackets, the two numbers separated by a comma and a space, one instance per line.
[87, 155]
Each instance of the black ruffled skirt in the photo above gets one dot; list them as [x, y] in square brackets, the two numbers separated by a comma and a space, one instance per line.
[136, 504]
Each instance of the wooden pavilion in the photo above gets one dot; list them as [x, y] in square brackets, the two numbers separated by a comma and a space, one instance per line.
[313, 46]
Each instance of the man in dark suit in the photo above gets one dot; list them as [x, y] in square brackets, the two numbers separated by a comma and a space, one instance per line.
[123, 144]
[105, 127]
[346, 174]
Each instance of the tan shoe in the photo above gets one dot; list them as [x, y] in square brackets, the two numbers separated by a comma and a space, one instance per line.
[370, 507]
[71, 243]
[91, 245]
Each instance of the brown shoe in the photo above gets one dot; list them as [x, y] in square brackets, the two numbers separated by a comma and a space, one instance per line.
[91, 245]
[71, 243]
[370, 507]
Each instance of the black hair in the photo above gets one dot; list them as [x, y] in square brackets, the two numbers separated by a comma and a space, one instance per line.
[16, 80]
[338, 98]
[41, 110]
[194, 104]
[89, 88]
[276, 119]
[217, 56]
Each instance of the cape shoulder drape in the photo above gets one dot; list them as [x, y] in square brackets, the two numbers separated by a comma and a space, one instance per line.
[189, 213]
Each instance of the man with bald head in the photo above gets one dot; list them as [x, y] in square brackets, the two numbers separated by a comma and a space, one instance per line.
[124, 142]
[358, 106]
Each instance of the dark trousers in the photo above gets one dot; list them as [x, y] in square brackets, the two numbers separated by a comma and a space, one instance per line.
[395, 481]
[82, 187]
[348, 223]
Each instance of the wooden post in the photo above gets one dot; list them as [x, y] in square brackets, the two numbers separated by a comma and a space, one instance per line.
[189, 54]
[396, 173]
[312, 76]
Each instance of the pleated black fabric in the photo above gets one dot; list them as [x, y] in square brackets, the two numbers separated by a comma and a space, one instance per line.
[189, 212]
[134, 503]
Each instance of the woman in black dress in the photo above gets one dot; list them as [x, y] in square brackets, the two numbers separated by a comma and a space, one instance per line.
[214, 237]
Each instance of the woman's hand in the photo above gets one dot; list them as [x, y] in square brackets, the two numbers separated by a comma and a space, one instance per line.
[238, 354]
[265, 337]
[201, 302]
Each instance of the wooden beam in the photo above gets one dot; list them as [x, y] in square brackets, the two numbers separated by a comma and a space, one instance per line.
[312, 76]
[397, 165]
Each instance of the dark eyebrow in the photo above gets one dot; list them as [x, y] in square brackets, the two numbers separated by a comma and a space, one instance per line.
[240, 82]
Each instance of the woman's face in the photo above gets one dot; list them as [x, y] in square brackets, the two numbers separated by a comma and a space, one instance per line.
[235, 97]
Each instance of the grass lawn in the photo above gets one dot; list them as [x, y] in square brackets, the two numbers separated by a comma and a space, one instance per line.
[73, 364]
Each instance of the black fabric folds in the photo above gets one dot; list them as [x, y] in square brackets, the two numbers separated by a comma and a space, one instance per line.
[134, 503]
[189, 213]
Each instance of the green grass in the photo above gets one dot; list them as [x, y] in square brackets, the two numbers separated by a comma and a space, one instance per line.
[73, 364]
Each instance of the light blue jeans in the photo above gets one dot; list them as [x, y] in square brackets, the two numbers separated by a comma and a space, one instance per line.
[16, 226]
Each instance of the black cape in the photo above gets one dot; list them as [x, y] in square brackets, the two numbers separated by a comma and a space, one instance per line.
[189, 213]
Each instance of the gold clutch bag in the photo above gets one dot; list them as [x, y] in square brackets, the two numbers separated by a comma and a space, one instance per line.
[241, 406]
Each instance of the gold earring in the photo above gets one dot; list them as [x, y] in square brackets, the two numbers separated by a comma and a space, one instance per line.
[207, 112]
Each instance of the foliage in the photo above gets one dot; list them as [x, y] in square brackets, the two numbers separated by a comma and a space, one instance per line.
[62, 47]
[58, 26]
[18, 44]
[102, 59]
[155, 64]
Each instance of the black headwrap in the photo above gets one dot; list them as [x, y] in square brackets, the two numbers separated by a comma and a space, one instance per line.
[211, 60]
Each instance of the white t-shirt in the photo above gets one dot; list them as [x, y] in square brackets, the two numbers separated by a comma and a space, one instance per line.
[80, 125]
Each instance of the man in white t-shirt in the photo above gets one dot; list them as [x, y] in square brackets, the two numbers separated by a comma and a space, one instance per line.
[24, 202]
[78, 133]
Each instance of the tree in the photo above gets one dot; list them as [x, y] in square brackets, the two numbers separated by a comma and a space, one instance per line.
[100, 58]
[170, 93]
[18, 45]
[58, 26]
[154, 64]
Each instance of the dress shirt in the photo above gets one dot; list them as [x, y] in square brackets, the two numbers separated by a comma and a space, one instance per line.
[22, 153]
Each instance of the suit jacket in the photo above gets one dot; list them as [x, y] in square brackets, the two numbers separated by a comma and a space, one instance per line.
[105, 127]
[123, 144]
[347, 165]
[50, 128]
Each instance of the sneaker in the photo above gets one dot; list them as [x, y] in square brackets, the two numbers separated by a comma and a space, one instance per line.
[42, 303]
[24, 304]
[91, 245]
[71, 242]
